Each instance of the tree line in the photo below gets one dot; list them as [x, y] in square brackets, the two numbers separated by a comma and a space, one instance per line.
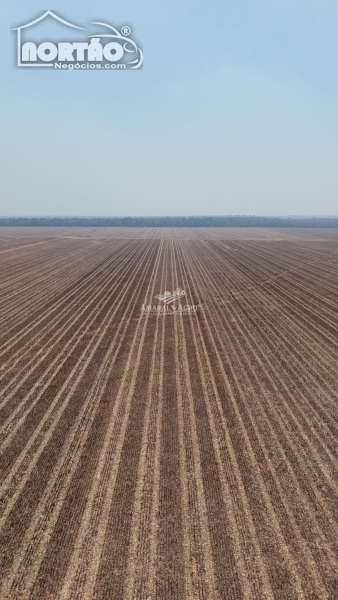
[211, 221]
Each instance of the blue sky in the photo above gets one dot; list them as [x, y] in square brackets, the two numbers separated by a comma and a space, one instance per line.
[234, 112]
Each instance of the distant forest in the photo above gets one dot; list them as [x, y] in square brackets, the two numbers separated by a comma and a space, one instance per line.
[226, 221]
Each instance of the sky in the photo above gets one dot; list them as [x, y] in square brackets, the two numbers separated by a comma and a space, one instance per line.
[234, 112]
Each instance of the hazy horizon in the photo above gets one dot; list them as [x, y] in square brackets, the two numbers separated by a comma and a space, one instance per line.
[79, 216]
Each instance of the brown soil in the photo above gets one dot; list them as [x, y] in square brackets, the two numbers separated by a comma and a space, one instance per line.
[152, 456]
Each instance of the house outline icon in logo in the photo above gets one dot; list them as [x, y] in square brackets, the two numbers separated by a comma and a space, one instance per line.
[41, 18]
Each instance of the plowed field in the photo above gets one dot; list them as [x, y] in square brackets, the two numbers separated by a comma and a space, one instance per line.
[177, 454]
